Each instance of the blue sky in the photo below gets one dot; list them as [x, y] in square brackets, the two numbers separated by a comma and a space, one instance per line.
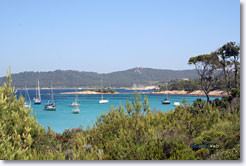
[112, 35]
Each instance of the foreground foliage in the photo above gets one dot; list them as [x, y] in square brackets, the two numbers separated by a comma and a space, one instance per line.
[199, 131]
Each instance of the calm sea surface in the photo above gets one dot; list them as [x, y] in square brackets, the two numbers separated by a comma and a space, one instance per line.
[90, 109]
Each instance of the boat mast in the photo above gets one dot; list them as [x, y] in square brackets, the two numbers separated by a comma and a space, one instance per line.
[27, 95]
[52, 97]
[39, 96]
[166, 90]
[36, 92]
[76, 98]
[101, 90]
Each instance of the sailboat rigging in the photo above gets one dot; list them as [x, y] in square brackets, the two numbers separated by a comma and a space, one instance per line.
[102, 101]
[37, 99]
[51, 106]
[27, 97]
[75, 103]
[166, 101]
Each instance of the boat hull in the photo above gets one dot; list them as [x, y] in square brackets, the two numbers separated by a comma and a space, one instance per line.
[176, 104]
[50, 109]
[27, 106]
[74, 105]
[165, 102]
[37, 101]
[103, 101]
[76, 111]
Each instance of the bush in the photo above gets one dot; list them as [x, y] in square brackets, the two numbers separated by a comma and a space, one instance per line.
[130, 132]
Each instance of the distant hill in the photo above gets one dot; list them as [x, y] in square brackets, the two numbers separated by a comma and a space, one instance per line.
[70, 78]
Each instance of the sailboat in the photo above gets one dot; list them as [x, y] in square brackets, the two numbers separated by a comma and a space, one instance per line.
[102, 101]
[166, 101]
[51, 106]
[37, 99]
[75, 103]
[27, 104]
[76, 110]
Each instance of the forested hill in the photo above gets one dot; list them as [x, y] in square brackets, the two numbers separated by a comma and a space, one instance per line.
[70, 78]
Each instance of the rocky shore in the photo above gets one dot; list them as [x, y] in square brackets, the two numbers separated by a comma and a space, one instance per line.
[173, 92]
[194, 93]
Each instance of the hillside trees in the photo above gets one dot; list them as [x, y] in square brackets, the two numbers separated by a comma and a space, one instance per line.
[225, 59]
[206, 66]
[229, 61]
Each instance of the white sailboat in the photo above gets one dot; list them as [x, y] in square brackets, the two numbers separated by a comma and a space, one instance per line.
[166, 101]
[37, 99]
[102, 101]
[27, 97]
[51, 106]
[76, 110]
[75, 103]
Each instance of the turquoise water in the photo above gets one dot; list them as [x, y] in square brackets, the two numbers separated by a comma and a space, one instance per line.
[90, 109]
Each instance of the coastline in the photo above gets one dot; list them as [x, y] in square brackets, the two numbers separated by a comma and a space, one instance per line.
[193, 93]
[173, 92]
[83, 88]
[85, 93]
[169, 92]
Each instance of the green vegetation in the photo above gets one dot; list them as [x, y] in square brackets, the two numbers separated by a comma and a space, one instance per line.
[227, 59]
[76, 79]
[206, 66]
[187, 85]
[219, 70]
[191, 85]
[197, 131]
[103, 90]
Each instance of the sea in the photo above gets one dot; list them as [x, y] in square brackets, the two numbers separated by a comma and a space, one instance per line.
[90, 109]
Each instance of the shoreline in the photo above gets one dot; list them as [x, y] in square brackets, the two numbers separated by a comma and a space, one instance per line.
[193, 93]
[85, 93]
[174, 92]
[81, 88]
[168, 92]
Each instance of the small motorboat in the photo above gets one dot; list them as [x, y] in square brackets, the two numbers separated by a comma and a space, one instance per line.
[76, 111]
[176, 103]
